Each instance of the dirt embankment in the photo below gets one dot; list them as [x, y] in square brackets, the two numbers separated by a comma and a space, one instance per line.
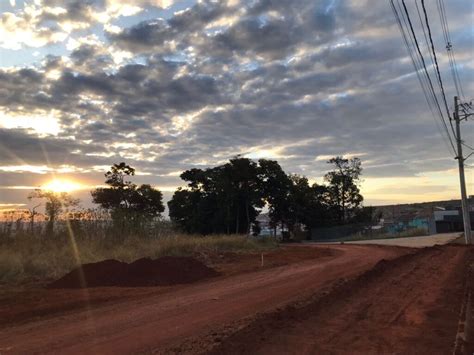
[410, 305]
[144, 272]
[34, 301]
[165, 318]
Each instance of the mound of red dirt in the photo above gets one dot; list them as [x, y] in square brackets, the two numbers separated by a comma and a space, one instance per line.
[168, 270]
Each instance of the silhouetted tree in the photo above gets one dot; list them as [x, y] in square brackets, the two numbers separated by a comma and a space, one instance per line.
[228, 197]
[224, 199]
[343, 187]
[246, 191]
[128, 203]
[275, 186]
[55, 204]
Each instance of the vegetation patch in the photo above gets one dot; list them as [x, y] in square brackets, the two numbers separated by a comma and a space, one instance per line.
[31, 258]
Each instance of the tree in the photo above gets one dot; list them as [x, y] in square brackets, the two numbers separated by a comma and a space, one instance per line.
[343, 187]
[246, 188]
[197, 208]
[223, 199]
[56, 202]
[275, 187]
[32, 213]
[128, 204]
[228, 198]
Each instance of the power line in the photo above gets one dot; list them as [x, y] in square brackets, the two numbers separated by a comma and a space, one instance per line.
[417, 65]
[435, 58]
[467, 146]
[433, 64]
[449, 48]
[432, 90]
[431, 95]
[436, 66]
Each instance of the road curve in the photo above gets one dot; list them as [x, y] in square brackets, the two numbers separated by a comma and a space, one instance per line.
[165, 320]
[407, 306]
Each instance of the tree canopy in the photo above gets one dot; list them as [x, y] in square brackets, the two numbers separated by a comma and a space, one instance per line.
[228, 198]
[128, 203]
[343, 188]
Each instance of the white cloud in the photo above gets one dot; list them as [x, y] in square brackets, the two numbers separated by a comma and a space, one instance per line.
[17, 31]
[40, 123]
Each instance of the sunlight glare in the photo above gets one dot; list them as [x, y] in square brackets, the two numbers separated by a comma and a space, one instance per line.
[58, 185]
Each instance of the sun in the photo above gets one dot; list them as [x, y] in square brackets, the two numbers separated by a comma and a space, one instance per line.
[59, 185]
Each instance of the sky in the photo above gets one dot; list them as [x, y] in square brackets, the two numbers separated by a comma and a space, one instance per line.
[168, 85]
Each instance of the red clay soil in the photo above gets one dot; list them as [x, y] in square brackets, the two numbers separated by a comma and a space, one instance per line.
[230, 263]
[161, 320]
[407, 306]
[144, 272]
[22, 303]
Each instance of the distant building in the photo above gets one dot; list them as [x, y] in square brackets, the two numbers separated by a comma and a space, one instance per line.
[435, 217]
[450, 221]
[266, 230]
[397, 219]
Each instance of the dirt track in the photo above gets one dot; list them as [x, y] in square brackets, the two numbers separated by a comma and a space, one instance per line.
[388, 307]
[409, 306]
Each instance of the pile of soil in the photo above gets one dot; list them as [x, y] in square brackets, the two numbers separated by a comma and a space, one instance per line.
[168, 270]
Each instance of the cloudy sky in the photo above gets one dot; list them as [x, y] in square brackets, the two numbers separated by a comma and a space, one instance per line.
[167, 85]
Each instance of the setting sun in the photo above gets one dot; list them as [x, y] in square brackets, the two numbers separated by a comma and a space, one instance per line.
[58, 185]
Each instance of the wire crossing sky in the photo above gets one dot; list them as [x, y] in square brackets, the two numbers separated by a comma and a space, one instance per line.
[168, 85]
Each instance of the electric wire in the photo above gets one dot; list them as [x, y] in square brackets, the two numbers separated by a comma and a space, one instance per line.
[449, 49]
[434, 61]
[417, 65]
[436, 66]
[414, 39]
[443, 94]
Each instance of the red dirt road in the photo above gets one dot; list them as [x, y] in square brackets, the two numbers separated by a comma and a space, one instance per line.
[408, 306]
[166, 319]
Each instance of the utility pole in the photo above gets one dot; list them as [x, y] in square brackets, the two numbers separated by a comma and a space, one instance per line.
[465, 205]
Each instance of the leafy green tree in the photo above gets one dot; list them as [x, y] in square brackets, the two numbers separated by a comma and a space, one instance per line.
[128, 204]
[56, 203]
[343, 187]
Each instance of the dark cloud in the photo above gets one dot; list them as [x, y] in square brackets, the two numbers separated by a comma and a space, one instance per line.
[144, 36]
[18, 147]
[305, 79]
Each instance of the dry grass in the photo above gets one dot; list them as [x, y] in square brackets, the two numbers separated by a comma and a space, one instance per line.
[29, 258]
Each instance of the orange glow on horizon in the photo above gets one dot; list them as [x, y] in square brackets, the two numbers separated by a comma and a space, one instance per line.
[60, 185]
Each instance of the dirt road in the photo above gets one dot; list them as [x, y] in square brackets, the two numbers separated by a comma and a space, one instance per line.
[168, 318]
[413, 242]
[408, 306]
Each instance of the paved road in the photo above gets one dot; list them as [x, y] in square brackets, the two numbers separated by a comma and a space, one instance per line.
[413, 242]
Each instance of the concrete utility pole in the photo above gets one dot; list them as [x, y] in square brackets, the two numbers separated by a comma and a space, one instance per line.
[465, 205]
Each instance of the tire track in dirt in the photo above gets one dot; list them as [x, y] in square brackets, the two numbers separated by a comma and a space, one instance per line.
[408, 305]
[158, 322]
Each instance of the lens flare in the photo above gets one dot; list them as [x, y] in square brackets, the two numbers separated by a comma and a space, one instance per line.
[58, 185]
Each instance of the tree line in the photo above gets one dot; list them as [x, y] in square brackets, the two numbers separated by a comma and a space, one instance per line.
[227, 199]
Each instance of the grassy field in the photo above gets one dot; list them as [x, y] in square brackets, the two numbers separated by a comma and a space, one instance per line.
[26, 258]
